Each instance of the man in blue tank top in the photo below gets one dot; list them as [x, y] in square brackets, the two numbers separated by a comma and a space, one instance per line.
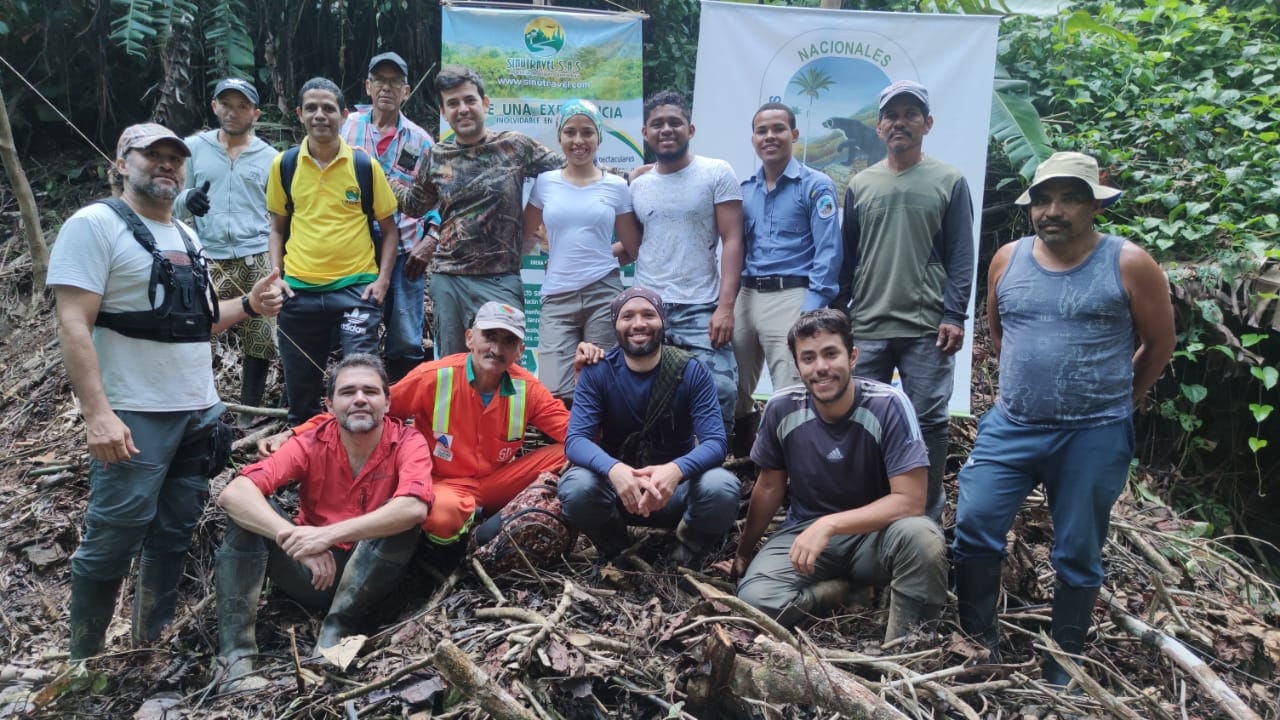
[1083, 326]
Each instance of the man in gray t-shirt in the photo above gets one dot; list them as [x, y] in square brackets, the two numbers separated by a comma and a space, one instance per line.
[144, 380]
[852, 453]
[689, 207]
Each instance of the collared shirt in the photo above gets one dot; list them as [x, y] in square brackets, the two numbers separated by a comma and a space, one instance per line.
[401, 160]
[469, 439]
[400, 466]
[329, 242]
[793, 230]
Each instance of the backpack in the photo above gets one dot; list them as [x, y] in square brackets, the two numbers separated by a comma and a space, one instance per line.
[531, 528]
[364, 179]
[637, 446]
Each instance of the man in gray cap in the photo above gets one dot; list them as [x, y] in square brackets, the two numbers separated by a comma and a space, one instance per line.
[400, 147]
[226, 192]
[135, 314]
[1067, 307]
[647, 439]
[908, 269]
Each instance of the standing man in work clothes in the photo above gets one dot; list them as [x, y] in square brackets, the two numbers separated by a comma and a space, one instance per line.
[336, 281]
[400, 146]
[135, 315]
[226, 193]
[908, 269]
[1083, 327]
[689, 206]
[477, 179]
[791, 239]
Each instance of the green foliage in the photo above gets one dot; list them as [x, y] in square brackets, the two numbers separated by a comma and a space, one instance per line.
[226, 33]
[1015, 124]
[140, 22]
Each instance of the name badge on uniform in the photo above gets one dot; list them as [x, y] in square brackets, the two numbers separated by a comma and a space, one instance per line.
[444, 449]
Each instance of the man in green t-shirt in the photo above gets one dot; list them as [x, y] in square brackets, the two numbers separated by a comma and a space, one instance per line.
[908, 268]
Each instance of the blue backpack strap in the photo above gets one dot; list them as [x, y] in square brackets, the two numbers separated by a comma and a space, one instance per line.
[288, 166]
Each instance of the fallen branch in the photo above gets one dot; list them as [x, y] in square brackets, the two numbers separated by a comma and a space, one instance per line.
[1068, 663]
[769, 625]
[487, 582]
[383, 682]
[566, 600]
[467, 677]
[278, 413]
[1183, 657]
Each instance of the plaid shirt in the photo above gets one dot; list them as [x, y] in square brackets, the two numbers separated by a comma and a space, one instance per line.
[402, 160]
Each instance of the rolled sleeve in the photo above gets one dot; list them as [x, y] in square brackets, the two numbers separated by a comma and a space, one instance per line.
[413, 468]
[283, 467]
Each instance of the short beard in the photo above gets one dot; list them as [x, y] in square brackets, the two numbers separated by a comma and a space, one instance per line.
[674, 156]
[654, 345]
[154, 190]
[360, 426]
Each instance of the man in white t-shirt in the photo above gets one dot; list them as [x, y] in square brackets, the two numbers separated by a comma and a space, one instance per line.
[690, 206]
[132, 284]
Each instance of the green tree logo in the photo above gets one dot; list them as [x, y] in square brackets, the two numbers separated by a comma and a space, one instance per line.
[544, 36]
[812, 82]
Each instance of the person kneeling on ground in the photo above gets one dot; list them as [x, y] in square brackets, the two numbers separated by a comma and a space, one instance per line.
[364, 490]
[660, 444]
[857, 466]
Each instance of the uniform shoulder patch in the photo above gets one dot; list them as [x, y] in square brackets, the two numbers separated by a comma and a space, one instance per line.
[826, 205]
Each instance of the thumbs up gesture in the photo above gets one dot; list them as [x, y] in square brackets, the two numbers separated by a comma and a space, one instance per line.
[268, 294]
[198, 200]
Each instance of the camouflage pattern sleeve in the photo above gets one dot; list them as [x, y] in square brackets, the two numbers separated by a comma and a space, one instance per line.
[422, 196]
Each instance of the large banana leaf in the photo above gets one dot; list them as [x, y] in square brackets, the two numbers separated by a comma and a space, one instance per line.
[1016, 126]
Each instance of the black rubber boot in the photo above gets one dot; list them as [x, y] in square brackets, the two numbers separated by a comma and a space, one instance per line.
[906, 614]
[155, 597]
[935, 439]
[253, 386]
[238, 581]
[93, 602]
[1072, 618]
[744, 435]
[374, 570]
[610, 539]
[977, 591]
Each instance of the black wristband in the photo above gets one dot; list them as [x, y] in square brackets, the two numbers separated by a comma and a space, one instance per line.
[244, 302]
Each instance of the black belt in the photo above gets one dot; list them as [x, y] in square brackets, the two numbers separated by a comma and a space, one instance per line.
[773, 283]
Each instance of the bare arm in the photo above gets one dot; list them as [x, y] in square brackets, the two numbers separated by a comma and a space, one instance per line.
[532, 221]
[394, 517]
[275, 240]
[387, 250]
[246, 505]
[766, 498]
[109, 439]
[905, 499]
[729, 225]
[1152, 314]
[627, 230]
[994, 272]
[266, 297]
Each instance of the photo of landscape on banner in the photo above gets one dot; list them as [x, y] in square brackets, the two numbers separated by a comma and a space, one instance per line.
[533, 60]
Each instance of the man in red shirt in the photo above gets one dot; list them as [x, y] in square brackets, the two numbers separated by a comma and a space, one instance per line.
[364, 489]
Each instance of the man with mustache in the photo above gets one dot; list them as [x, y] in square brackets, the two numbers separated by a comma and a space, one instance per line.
[1083, 325]
[631, 471]
[338, 273]
[400, 146]
[791, 236]
[907, 269]
[135, 314]
[364, 487]
[473, 408]
[476, 179]
[226, 192]
[689, 206]
[852, 455]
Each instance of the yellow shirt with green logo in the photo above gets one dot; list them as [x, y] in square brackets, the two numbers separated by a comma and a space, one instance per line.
[329, 245]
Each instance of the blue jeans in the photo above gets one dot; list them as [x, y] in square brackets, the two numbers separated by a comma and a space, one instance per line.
[403, 315]
[455, 300]
[708, 504]
[308, 326]
[687, 328]
[927, 380]
[1083, 472]
[153, 501]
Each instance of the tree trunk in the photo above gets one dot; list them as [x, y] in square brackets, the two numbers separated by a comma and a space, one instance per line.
[27, 204]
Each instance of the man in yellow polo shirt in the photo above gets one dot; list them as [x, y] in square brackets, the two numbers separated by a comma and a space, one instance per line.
[336, 281]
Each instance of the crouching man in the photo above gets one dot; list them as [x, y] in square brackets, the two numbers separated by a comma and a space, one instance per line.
[364, 490]
[647, 439]
[858, 470]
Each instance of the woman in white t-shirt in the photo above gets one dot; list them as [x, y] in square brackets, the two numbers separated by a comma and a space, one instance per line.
[583, 208]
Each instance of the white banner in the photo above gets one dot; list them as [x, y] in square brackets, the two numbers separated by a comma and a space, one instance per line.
[830, 66]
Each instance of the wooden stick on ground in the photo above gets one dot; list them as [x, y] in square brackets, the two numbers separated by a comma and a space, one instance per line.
[1184, 658]
[476, 684]
[566, 600]
[770, 625]
[1087, 683]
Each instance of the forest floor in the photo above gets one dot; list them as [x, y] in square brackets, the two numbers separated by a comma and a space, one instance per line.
[1186, 626]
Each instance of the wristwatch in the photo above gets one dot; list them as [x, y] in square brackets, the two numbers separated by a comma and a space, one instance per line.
[248, 308]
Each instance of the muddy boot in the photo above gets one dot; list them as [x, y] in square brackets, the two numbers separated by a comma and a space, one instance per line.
[820, 598]
[935, 440]
[238, 578]
[610, 539]
[692, 547]
[93, 602]
[744, 435]
[253, 385]
[1072, 617]
[155, 597]
[375, 569]
[906, 614]
[977, 591]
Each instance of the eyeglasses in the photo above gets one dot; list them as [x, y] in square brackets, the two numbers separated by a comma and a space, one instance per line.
[387, 82]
